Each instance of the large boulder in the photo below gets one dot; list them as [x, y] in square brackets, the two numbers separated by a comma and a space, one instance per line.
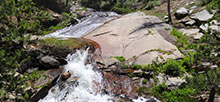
[202, 16]
[137, 37]
[181, 12]
[49, 62]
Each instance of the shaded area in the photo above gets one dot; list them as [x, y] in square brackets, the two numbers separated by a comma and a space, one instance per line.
[147, 25]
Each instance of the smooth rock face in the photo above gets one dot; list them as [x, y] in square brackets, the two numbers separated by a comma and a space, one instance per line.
[181, 12]
[133, 35]
[203, 16]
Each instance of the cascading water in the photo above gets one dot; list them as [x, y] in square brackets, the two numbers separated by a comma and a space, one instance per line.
[86, 25]
[84, 85]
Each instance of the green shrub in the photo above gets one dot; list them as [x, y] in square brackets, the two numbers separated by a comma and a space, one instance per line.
[213, 5]
[119, 58]
[144, 81]
[174, 68]
[178, 95]
[204, 2]
[182, 39]
[158, 89]
[151, 4]
[122, 8]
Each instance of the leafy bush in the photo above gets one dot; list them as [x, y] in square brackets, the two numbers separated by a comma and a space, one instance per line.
[158, 89]
[204, 2]
[150, 4]
[178, 95]
[182, 39]
[173, 68]
[120, 6]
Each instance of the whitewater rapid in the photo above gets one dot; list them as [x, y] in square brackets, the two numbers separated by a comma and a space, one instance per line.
[86, 88]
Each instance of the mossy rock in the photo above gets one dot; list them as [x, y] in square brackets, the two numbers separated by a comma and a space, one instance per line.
[62, 47]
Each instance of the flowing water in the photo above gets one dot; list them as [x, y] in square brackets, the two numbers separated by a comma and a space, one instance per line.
[86, 88]
[85, 84]
[86, 25]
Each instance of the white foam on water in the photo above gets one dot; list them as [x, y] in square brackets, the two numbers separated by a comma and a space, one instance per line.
[142, 99]
[87, 87]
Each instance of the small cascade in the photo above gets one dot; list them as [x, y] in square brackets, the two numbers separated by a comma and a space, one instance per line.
[85, 25]
[84, 84]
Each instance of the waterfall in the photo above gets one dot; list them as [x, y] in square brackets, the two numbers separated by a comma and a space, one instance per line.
[84, 85]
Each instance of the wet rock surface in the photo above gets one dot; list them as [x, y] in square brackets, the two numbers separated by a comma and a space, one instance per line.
[43, 85]
[88, 22]
[120, 84]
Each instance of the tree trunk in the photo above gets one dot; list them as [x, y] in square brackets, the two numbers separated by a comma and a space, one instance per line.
[212, 93]
[169, 14]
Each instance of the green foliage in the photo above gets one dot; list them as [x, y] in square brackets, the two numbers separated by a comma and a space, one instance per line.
[144, 81]
[188, 61]
[144, 90]
[67, 43]
[203, 2]
[150, 4]
[170, 67]
[173, 68]
[19, 18]
[119, 58]
[182, 39]
[158, 89]
[213, 5]
[13, 26]
[120, 6]
[178, 95]
[25, 16]
[200, 82]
